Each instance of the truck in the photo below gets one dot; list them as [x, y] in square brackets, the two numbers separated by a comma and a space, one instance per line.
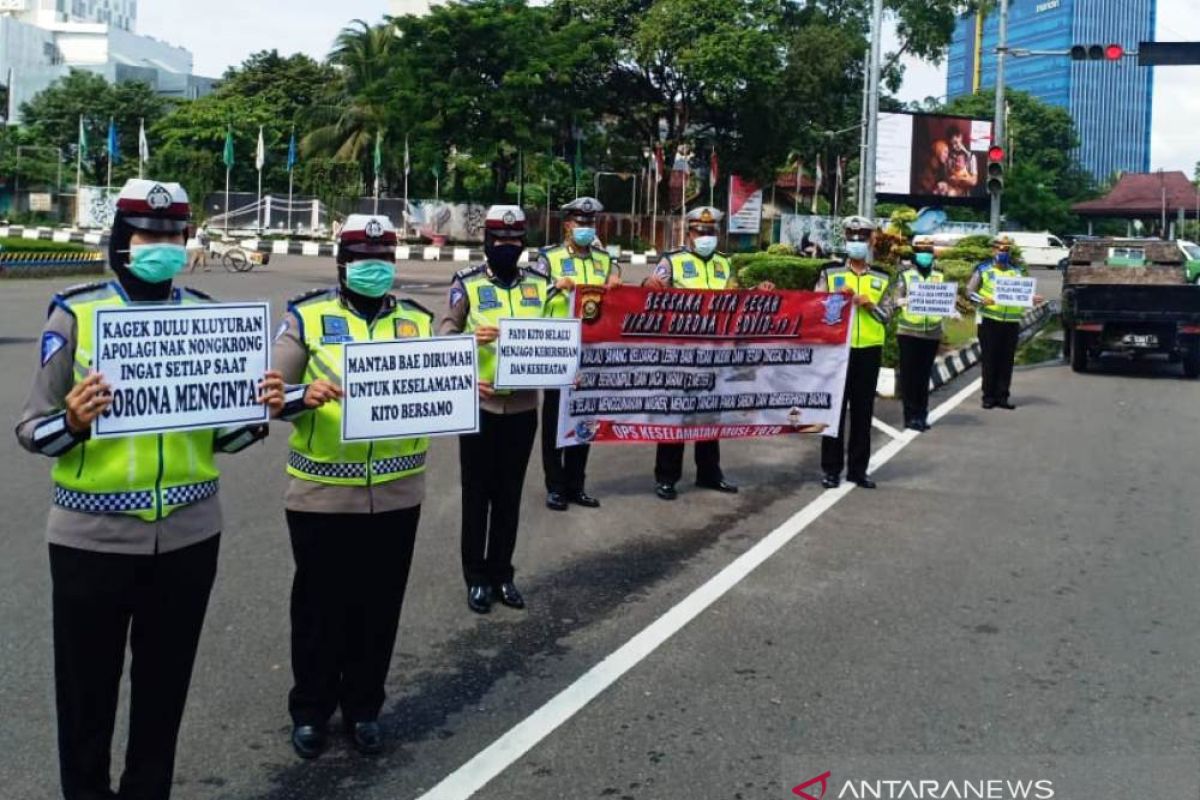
[1133, 298]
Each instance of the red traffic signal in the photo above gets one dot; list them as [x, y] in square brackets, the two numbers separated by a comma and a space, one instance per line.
[995, 154]
[1095, 52]
[1114, 52]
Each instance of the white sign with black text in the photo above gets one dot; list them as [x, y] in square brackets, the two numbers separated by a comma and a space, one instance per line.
[410, 387]
[1015, 292]
[537, 353]
[932, 299]
[181, 367]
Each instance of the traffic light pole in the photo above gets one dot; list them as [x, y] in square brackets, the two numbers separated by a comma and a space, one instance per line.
[998, 122]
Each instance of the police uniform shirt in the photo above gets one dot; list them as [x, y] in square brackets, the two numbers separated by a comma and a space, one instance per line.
[542, 265]
[454, 321]
[104, 533]
[900, 290]
[290, 356]
[666, 273]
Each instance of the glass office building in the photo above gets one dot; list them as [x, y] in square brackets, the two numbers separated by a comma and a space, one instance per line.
[1109, 101]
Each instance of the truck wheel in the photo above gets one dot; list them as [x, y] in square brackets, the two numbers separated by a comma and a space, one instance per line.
[1079, 351]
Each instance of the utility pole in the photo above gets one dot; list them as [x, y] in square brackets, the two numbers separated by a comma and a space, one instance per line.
[873, 74]
[862, 141]
[999, 117]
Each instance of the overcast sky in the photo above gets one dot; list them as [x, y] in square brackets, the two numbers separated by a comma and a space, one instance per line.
[221, 33]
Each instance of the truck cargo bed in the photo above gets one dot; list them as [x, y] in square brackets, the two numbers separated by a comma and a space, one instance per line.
[1131, 303]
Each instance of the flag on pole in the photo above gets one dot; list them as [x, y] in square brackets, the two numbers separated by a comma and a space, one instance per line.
[260, 154]
[712, 168]
[143, 145]
[578, 158]
[817, 187]
[378, 159]
[227, 155]
[407, 166]
[114, 149]
[83, 145]
[659, 164]
[291, 161]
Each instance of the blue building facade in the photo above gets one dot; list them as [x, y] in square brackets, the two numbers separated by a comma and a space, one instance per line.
[1110, 102]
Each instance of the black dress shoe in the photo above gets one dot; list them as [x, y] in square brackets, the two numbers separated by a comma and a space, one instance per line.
[913, 425]
[925, 424]
[863, 482]
[479, 598]
[831, 480]
[1005, 404]
[584, 499]
[367, 737]
[989, 404]
[308, 740]
[510, 596]
[666, 491]
[719, 485]
[556, 502]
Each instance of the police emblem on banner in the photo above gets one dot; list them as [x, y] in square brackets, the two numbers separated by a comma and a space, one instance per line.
[335, 330]
[585, 431]
[488, 298]
[530, 296]
[835, 306]
[589, 303]
[407, 329]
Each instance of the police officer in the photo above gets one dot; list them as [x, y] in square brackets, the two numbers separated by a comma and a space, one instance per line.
[577, 261]
[493, 461]
[1000, 327]
[135, 524]
[918, 336]
[696, 266]
[352, 507]
[870, 296]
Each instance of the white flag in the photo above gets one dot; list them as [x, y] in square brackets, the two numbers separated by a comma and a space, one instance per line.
[260, 155]
[406, 165]
[143, 145]
[817, 187]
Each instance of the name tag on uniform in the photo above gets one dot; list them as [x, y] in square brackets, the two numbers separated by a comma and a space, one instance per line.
[689, 269]
[530, 295]
[335, 330]
[488, 299]
[568, 266]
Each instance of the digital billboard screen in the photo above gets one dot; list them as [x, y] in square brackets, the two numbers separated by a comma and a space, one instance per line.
[932, 159]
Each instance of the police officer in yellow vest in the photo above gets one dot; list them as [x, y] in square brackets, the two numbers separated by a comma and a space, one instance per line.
[872, 302]
[577, 261]
[1000, 328]
[697, 266]
[493, 461]
[352, 507]
[135, 525]
[918, 336]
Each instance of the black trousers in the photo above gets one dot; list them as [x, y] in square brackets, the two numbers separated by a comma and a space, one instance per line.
[858, 407]
[564, 467]
[493, 464]
[998, 349]
[100, 601]
[916, 365]
[351, 573]
[668, 462]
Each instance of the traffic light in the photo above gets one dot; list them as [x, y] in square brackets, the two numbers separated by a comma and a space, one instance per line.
[995, 170]
[1097, 52]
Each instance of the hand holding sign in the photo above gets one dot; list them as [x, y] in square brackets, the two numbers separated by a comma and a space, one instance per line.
[87, 400]
[271, 391]
[320, 392]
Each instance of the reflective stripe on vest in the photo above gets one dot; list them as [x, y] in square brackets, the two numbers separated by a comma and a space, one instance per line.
[318, 452]
[592, 269]
[920, 323]
[147, 476]
[987, 287]
[867, 331]
[489, 303]
[690, 271]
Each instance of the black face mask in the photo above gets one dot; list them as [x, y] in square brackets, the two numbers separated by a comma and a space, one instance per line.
[503, 258]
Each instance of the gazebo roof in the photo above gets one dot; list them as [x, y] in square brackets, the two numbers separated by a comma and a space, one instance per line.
[1140, 194]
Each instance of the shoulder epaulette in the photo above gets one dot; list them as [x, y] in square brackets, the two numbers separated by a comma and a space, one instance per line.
[880, 273]
[548, 249]
[82, 288]
[534, 273]
[468, 272]
[198, 293]
[408, 302]
[311, 294]
[673, 251]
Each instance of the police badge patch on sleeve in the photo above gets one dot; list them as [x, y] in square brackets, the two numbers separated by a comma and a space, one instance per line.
[280, 331]
[51, 343]
[457, 293]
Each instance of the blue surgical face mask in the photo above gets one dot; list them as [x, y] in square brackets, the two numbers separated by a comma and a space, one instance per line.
[1003, 257]
[583, 236]
[858, 250]
[706, 246]
[370, 277]
[157, 263]
[924, 260]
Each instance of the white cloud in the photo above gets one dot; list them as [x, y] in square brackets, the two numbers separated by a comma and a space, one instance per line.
[1174, 142]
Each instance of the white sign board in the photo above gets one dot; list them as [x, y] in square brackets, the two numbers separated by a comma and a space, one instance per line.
[537, 353]
[893, 163]
[40, 201]
[410, 387]
[1015, 291]
[932, 299]
[181, 367]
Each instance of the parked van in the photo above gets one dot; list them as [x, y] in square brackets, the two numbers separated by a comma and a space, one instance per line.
[1039, 249]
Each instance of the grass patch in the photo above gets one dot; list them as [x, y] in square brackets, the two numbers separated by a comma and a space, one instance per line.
[1042, 347]
[958, 332]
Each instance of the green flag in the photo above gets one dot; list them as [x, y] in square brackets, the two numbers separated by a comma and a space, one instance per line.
[227, 156]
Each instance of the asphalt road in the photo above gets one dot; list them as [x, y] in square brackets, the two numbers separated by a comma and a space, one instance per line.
[1021, 583]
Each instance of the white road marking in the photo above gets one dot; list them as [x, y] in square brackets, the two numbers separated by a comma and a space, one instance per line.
[472, 776]
[879, 424]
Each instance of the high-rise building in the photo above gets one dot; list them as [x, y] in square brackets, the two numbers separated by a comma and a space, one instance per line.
[1109, 101]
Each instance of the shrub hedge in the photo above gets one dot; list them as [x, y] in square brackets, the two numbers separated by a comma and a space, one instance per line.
[15, 244]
